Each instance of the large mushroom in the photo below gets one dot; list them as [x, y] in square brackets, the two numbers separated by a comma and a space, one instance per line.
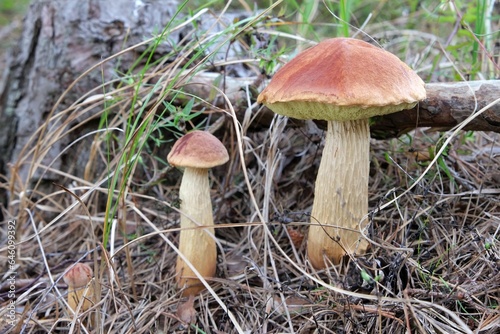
[343, 81]
[197, 151]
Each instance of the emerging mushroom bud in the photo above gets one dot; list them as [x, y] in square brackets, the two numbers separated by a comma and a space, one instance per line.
[79, 289]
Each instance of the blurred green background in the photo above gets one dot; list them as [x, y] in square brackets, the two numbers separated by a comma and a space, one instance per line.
[11, 10]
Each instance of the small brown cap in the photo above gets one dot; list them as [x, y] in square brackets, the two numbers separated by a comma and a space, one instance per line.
[198, 149]
[78, 276]
[343, 79]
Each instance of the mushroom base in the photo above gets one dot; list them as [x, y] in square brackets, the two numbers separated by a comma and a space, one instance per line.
[341, 194]
[84, 295]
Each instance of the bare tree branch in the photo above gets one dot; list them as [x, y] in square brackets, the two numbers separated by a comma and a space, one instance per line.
[447, 105]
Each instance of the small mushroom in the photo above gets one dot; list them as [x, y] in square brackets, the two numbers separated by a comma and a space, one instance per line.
[80, 290]
[196, 151]
[345, 82]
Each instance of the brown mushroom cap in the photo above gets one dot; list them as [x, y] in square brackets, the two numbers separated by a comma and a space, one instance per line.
[343, 79]
[198, 149]
[78, 276]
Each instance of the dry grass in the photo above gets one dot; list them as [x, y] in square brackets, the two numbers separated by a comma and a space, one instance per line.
[434, 225]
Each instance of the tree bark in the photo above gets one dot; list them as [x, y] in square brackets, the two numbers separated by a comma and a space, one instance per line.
[60, 40]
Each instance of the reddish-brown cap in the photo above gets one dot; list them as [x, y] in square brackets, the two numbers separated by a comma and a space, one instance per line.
[198, 149]
[343, 79]
[78, 276]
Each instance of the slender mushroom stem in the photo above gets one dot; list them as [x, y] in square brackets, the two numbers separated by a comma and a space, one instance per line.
[197, 244]
[341, 193]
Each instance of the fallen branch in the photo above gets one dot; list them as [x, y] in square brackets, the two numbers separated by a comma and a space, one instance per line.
[447, 105]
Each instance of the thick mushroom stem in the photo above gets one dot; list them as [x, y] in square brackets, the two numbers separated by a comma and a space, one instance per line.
[196, 241]
[341, 193]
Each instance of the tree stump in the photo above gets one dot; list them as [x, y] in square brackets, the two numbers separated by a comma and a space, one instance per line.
[60, 41]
